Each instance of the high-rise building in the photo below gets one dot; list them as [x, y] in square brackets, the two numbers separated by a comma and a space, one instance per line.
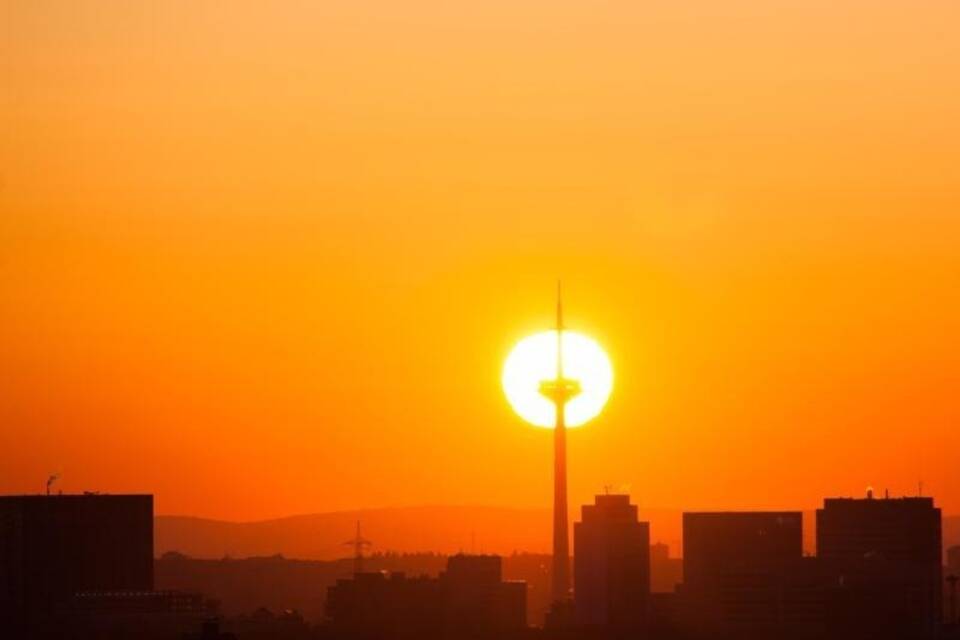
[54, 547]
[906, 529]
[611, 564]
[884, 556]
[745, 575]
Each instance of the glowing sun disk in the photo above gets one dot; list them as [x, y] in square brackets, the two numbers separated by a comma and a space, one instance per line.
[534, 360]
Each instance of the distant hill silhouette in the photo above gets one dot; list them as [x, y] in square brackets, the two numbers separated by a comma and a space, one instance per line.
[438, 529]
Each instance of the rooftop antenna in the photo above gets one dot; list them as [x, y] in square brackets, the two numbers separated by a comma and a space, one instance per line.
[359, 543]
[51, 479]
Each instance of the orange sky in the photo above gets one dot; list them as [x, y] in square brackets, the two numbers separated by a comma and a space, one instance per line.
[268, 258]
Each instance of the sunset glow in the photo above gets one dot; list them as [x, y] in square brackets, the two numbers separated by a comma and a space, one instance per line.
[281, 247]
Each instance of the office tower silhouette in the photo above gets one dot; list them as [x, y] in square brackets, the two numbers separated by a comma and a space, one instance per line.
[724, 543]
[54, 547]
[885, 557]
[611, 565]
[744, 575]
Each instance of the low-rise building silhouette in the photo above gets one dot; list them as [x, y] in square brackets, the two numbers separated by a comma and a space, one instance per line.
[666, 572]
[470, 597]
[476, 596]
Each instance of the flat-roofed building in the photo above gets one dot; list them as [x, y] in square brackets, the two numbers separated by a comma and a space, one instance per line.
[884, 557]
[745, 575]
[470, 597]
[53, 547]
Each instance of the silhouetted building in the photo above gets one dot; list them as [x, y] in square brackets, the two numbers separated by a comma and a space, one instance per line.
[745, 576]
[950, 593]
[611, 564]
[951, 581]
[287, 624]
[54, 547]
[381, 603]
[476, 597]
[561, 617]
[663, 616]
[884, 560]
[129, 614]
[209, 630]
[953, 559]
[469, 597]
[117, 603]
[723, 543]
[666, 572]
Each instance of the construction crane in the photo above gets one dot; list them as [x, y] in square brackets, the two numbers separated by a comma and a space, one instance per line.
[359, 543]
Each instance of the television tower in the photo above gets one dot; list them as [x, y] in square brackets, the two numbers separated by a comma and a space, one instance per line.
[560, 390]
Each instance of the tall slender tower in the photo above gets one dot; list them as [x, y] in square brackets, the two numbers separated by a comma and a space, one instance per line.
[560, 390]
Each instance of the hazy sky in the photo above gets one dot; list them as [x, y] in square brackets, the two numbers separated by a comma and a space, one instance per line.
[263, 258]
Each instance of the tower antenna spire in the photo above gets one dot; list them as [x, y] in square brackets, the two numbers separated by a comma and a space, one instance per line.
[559, 331]
[559, 304]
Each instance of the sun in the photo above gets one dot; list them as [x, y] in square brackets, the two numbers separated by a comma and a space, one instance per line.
[534, 360]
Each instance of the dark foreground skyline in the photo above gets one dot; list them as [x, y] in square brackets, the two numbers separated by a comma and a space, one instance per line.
[85, 564]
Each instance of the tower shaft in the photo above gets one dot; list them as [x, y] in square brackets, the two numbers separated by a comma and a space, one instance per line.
[561, 547]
